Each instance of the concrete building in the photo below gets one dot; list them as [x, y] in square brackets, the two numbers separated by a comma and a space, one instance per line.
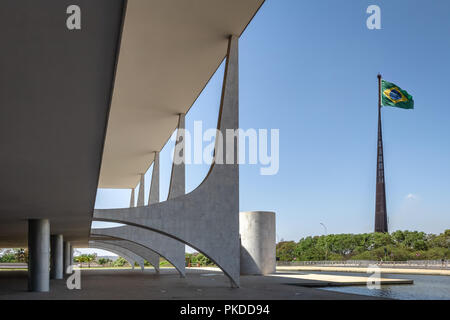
[92, 106]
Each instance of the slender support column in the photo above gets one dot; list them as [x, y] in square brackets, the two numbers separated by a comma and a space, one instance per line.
[154, 186]
[56, 253]
[177, 186]
[132, 198]
[141, 194]
[71, 254]
[178, 178]
[39, 255]
[67, 255]
[153, 197]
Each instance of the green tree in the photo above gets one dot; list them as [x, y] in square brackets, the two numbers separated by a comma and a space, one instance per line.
[21, 255]
[81, 259]
[90, 258]
[398, 237]
[440, 241]
[120, 262]
[204, 260]
[8, 257]
[286, 250]
[104, 261]
[397, 246]
[86, 258]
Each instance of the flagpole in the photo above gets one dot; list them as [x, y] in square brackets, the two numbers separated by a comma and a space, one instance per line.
[380, 197]
[379, 96]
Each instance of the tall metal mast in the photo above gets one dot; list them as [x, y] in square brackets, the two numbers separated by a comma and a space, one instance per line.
[380, 198]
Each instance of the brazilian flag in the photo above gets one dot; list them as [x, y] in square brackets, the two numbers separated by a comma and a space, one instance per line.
[392, 95]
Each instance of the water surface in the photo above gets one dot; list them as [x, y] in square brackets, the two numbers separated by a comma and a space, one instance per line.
[425, 287]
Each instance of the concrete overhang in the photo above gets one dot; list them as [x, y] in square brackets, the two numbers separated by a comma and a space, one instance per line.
[55, 92]
[169, 51]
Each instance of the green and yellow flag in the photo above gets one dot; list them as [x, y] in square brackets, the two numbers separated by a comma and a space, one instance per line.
[392, 95]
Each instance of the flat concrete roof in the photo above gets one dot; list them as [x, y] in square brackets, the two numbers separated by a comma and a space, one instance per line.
[55, 90]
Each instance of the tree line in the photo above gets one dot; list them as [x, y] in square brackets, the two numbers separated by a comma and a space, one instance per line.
[20, 255]
[395, 246]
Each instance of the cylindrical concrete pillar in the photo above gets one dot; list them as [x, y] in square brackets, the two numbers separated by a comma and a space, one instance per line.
[38, 255]
[71, 255]
[258, 243]
[67, 256]
[56, 254]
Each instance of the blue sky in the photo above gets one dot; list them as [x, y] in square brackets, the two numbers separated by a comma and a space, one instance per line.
[308, 68]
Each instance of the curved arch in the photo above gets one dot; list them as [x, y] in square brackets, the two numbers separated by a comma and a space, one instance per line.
[127, 255]
[149, 255]
[131, 257]
[167, 247]
[105, 232]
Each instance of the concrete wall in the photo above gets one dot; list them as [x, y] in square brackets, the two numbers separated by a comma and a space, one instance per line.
[207, 218]
[258, 241]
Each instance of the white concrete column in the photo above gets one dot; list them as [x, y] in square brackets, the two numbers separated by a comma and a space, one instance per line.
[141, 194]
[229, 109]
[154, 186]
[67, 255]
[56, 253]
[178, 178]
[71, 255]
[38, 255]
[258, 242]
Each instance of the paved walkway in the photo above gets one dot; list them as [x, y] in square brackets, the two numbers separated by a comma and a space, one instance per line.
[199, 284]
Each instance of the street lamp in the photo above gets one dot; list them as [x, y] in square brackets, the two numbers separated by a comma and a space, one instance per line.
[325, 227]
[326, 246]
